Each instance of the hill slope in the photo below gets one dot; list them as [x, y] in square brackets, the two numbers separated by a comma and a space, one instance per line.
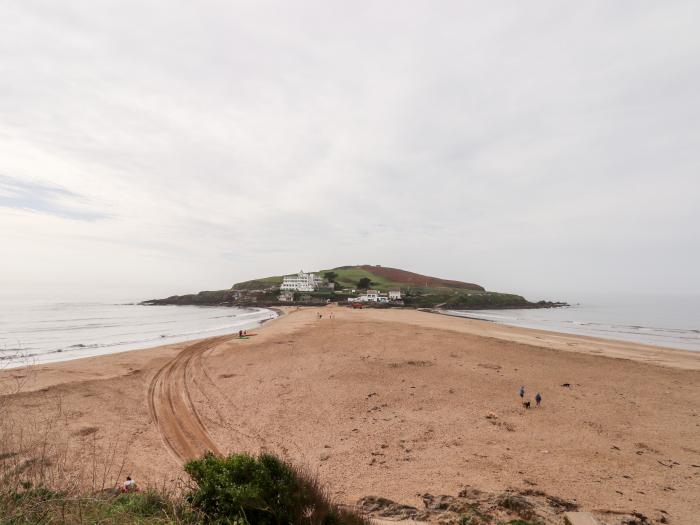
[382, 277]
[417, 280]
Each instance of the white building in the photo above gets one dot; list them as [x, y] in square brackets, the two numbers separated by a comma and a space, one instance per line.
[394, 295]
[371, 296]
[301, 282]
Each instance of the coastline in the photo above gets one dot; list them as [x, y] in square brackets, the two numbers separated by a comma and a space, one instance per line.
[125, 331]
[542, 339]
[394, 403]
[548, 338]
[671, 326]
[568, 342]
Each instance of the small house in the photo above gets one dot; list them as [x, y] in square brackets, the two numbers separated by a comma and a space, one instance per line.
[372, 295]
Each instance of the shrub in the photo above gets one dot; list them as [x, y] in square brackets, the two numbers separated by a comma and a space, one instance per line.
[143, 504]
[364, 283]
[261, 490]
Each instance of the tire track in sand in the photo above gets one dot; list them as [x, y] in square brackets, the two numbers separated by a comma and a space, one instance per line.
[172, 408]
[173, 411]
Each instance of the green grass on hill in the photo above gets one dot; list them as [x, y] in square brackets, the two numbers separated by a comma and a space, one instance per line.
[452, 300]
[348, 277]
[259, 284]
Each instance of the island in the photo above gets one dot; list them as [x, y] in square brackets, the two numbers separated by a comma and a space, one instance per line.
[363, 286]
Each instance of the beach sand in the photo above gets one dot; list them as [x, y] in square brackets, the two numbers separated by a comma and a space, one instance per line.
[393, 403]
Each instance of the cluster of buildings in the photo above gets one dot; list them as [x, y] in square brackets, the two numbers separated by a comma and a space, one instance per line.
[311, 282]
[374, 296]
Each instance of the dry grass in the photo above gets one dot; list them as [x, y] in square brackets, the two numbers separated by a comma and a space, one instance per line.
[48, 474]
[41, 451]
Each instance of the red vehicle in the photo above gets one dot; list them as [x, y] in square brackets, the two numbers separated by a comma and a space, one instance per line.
[356, 304]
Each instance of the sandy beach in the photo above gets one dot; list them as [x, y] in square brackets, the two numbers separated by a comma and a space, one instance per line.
[392, 403]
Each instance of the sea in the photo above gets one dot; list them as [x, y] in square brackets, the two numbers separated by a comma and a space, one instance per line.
[671, 321]
[34, 332]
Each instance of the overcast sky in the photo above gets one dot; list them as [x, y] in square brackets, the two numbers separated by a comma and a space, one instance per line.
[544, 148]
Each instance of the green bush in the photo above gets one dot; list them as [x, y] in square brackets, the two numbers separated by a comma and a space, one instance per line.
[364, 283]
[261, 490]
[143, 504]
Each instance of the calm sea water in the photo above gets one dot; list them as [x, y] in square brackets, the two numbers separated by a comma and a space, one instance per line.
[36, 332]
[669, 321]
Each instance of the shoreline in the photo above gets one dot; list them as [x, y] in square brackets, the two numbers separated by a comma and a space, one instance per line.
[580, 343]
[558, 342]
[610, 330]
[81, 351]
[539, 337]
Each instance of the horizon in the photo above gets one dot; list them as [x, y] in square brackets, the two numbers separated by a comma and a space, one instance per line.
[545, 150]
[572, 297]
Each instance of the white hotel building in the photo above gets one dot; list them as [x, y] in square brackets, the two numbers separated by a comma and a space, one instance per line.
[301, 282]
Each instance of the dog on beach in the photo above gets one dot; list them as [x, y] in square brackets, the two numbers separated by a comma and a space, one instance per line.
[526, 404]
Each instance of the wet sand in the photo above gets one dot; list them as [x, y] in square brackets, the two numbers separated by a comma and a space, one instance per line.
[395, 403]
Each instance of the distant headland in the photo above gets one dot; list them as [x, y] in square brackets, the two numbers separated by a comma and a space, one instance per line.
[359, 286]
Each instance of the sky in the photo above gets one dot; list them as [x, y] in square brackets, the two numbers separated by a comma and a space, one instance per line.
[545, 148]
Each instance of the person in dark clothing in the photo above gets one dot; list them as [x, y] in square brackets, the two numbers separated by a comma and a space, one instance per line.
[538, 399]
[521, 392]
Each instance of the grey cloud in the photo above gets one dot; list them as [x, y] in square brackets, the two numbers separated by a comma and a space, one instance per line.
[52, 200]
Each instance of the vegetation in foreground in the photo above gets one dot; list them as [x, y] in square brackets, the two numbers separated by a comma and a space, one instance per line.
[30, 505]
[236, 490]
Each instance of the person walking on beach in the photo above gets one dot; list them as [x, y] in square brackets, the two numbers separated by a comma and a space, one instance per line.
[521, 392]
[538, 399]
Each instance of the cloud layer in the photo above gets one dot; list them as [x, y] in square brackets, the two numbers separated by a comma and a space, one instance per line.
[169, 147]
